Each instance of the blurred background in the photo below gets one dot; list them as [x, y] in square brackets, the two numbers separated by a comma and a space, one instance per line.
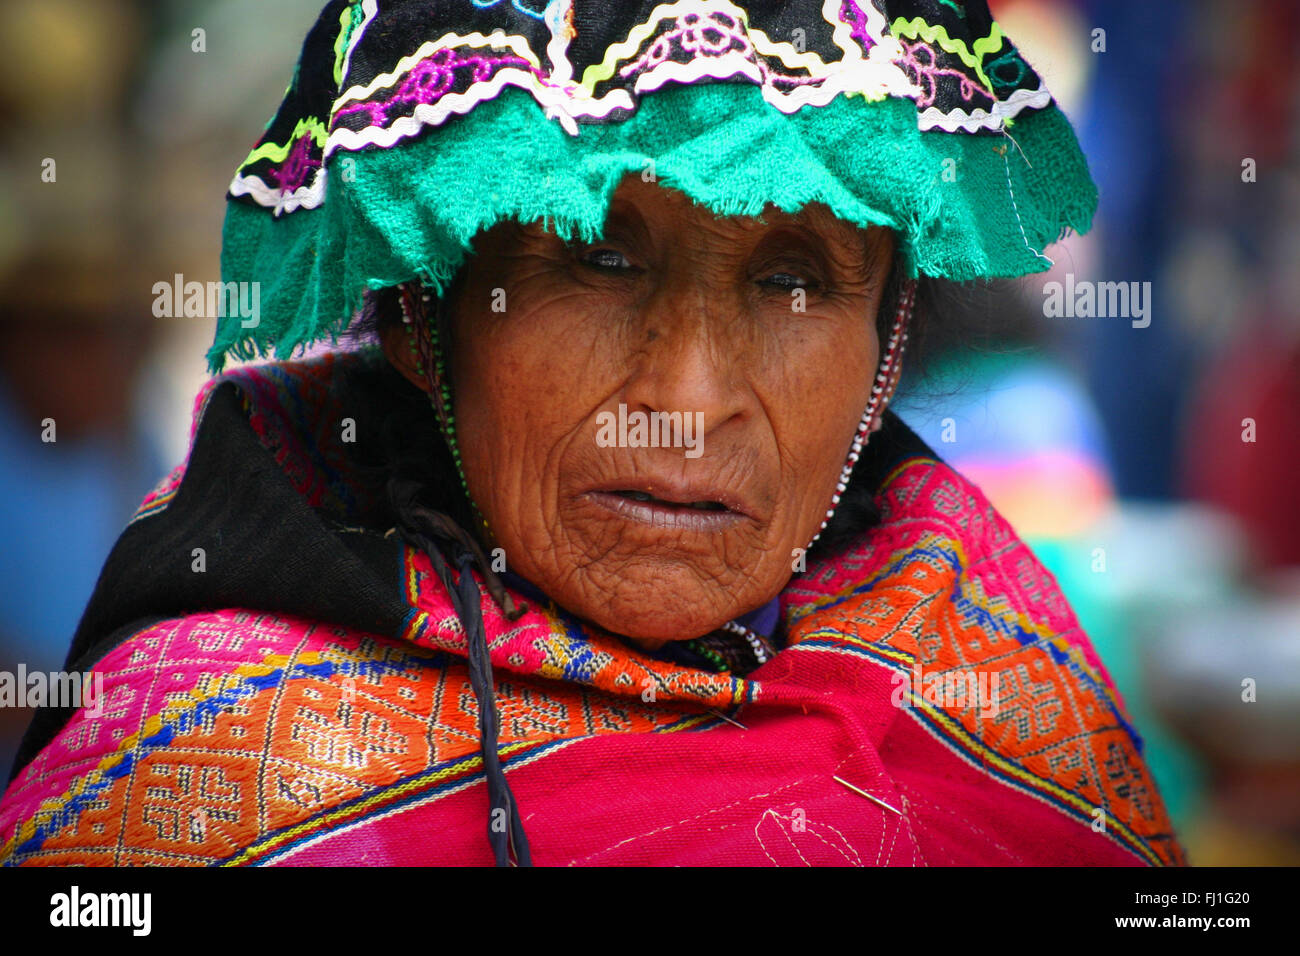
[1154, 470]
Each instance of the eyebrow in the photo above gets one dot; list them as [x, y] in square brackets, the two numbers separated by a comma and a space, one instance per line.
[624, 213]
[820, 218]
[868, 245]
[815, 222]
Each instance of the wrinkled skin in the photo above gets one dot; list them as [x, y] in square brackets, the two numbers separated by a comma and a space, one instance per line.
[673, 309]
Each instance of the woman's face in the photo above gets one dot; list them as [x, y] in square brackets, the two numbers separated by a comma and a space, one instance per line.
[653, 423]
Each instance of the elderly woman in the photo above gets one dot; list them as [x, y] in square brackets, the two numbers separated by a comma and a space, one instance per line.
[602, 547]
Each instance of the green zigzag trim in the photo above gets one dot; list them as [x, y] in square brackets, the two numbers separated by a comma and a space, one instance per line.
[348, 20]
[341, 42]
[276, 152]
[917, 27]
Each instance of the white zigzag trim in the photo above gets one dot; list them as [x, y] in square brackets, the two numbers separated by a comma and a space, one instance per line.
[559, 105]
[871, 79]
[305, 197]
[875, 75]
[718, 67]
[557, 20]
[448, 41]
[959, 119]
[646, 29]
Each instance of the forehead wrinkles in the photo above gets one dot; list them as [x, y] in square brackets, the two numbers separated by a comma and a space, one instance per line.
[856, 250]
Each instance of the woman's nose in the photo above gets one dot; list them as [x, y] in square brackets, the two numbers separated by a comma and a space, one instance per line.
[688, 358]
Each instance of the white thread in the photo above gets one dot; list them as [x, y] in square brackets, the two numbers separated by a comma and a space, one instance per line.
[1015, 207]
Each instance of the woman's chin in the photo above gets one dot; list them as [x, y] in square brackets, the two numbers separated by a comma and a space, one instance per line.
[651, 627]
[654, 598]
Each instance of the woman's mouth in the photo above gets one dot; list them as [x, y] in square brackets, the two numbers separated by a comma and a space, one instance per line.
[647, 497]
[669, 507]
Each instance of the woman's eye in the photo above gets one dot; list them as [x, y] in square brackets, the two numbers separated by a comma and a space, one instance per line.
[610, 259]
[786, 280]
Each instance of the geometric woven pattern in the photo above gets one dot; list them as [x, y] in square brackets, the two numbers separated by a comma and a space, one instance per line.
[227, 736]
[241, 736]
[1059, 732]
[219, 728]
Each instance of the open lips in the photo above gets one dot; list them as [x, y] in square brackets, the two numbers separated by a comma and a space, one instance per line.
[647, 497]
[699, 506]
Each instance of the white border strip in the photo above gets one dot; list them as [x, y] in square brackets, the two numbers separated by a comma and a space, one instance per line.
[1003, 110]
[304, 197]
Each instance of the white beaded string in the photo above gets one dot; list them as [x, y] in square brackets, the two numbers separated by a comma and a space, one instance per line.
[760, 652]
[881, 391]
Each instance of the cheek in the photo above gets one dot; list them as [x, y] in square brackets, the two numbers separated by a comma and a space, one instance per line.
[815, 404]
[527, 388]
[523, 389]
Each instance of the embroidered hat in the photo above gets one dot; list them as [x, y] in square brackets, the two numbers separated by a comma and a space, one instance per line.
[411, 125]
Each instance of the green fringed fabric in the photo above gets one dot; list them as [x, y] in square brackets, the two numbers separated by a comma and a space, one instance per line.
[965, 206]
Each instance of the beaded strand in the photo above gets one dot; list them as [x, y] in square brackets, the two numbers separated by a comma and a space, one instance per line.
[430, 363]
[713, 657]
[760, 650]
[882, 390]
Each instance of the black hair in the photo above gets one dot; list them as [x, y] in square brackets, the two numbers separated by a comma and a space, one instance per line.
[426, 505]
